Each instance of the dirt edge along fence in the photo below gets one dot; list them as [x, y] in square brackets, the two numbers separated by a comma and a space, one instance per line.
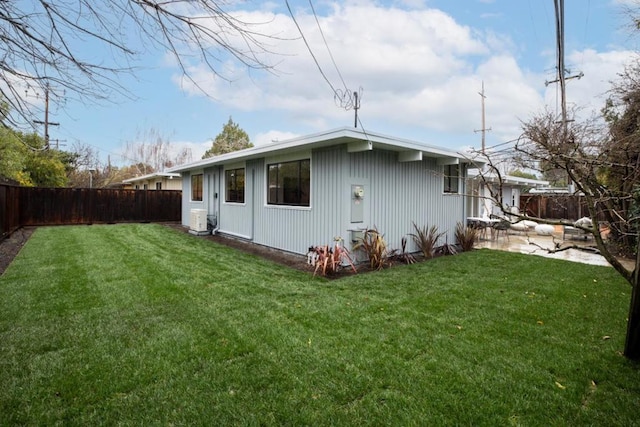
[33, 206]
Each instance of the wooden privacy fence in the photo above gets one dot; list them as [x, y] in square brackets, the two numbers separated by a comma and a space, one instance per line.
[29, 206]
[554, 206]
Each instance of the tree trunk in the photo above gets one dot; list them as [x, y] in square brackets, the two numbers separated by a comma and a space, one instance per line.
[632, 342]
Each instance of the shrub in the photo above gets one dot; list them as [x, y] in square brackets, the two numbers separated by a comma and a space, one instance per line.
[425, 239]
[375, 248]
[466, 236]
[403, 256]
[447, 249]
[329, 260]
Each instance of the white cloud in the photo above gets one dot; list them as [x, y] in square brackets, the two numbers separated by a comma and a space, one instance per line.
[417, 67]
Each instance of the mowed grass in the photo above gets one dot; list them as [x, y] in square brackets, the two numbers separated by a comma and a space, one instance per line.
[143, 325]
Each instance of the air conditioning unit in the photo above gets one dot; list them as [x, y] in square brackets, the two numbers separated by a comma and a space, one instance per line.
[198, 221]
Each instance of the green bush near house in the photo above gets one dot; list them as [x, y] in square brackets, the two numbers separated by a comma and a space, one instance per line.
[143, 325]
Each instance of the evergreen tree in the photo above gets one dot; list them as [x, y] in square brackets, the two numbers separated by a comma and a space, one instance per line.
[232, 138]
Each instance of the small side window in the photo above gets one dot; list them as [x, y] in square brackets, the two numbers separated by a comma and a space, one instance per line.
[234, 185]
[196, 188]
[451, 179]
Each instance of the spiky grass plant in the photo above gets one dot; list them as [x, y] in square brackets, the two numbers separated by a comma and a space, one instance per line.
[466, 236]
[375, 248]
[426, 238]
[330, 260]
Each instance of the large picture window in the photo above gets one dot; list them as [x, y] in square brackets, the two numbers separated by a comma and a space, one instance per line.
[289, 183]
[196, 188]
[451, 178]
[234, 185]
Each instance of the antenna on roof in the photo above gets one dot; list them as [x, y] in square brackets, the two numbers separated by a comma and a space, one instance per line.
[356, 106]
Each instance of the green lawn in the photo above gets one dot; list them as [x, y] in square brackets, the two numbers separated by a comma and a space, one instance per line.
[144, 325]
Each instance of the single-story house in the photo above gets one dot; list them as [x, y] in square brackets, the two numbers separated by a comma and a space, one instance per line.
[306, 191]
[154, 181]
[484, 187]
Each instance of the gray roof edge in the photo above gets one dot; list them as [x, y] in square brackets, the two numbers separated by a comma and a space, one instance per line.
[312, 139]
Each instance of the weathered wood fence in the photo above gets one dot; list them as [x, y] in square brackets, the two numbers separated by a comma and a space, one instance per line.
[554, 206]
[30, 206]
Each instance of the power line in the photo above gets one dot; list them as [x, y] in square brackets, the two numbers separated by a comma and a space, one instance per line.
[345, 99]
[327, 45]
[309, 48]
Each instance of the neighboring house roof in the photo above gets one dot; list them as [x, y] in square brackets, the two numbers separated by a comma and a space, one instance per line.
[151, 176]
[356, 140]
[508, 179]
[552, 190]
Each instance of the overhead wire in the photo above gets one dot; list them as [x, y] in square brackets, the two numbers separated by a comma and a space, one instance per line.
[313, 10]
[315, 60]
[346, 101]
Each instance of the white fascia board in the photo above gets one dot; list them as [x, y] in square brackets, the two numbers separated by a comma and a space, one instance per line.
[410, 156]
[151, 176]
[357, 146]
[357, 139]
[509, 179]
[443, 161]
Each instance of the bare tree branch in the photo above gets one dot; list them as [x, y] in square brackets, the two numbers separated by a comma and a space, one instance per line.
[44, 45]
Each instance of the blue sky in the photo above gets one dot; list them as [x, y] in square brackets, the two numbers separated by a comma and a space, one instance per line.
[419, 65]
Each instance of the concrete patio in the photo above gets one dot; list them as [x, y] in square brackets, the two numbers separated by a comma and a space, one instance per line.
[534, 244]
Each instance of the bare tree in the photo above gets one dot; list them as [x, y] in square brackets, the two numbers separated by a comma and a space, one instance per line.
[41, 39]
[152, 152]
[83, 159]
[601, 158]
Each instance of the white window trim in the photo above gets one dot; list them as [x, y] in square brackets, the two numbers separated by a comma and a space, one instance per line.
[284, 158]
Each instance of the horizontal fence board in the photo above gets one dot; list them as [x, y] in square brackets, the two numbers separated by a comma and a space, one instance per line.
[33, 206]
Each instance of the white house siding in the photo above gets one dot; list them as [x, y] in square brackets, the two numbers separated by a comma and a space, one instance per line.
[187, 203]
[170, 184]
[296, 228]
[395, 195]
[235, 218]
[400, 193]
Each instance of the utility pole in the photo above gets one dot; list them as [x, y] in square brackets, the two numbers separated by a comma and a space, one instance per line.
[559, 6]
[58, 142]
[561, 69]
[484, 129]
[46, 121]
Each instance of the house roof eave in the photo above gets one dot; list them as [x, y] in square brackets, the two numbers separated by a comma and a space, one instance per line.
[169, 175]
[356, 140]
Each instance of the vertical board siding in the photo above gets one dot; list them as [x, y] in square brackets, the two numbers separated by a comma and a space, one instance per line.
[295, 229]
[397, 194]
[406, 192]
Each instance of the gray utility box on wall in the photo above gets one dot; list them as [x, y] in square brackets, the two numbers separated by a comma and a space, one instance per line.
[356, 237]
[357, 203]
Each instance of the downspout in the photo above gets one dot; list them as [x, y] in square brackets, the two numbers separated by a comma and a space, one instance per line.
[253, 202]
[216, 202]
[465, 196]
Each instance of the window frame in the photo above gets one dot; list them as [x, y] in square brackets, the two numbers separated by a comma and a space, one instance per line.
[233, 179]
[451, 181]
[281, 194]
[197, 196]
[158, 185]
